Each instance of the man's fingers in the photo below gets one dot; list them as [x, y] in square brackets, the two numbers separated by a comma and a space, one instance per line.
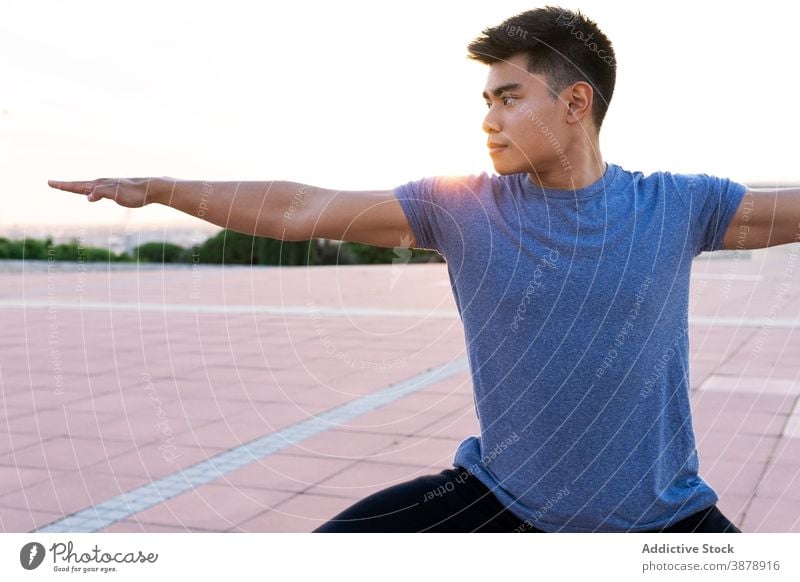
[76, 187]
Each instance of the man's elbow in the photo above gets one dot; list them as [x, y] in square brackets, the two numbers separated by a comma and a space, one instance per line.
[291, 225]
[291, 230]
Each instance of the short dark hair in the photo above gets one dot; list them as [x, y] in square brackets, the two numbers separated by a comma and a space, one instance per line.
[556, 41]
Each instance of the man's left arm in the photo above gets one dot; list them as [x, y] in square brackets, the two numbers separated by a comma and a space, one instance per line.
[766, 217]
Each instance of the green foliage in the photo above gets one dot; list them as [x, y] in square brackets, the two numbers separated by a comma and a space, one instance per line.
[234, 248]
[74, 251]
[280, 252]
[333, 253]
[28, 248]
[69, 252]
[159, 252]
[5, 248]
[226, 247]
[369, 255]
[32, 249]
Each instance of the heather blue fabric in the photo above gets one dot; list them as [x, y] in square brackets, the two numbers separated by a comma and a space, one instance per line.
[575, 310]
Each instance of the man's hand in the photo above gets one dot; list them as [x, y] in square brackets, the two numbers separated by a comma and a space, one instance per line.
[127, 192]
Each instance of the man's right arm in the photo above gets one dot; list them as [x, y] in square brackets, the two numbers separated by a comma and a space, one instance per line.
[276, 209]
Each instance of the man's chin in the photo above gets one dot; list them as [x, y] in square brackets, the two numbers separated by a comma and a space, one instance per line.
[505, 169]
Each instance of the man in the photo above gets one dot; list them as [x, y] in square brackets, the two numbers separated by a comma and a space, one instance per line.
[571, 276]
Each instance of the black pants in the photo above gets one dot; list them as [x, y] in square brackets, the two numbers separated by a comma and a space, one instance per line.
[456, 501]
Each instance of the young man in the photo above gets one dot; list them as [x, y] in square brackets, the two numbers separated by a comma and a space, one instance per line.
[571, 276]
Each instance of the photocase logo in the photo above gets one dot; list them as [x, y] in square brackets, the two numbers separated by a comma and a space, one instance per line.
[31, 555]
[403, 256]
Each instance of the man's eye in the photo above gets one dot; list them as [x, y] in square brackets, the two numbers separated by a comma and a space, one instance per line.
[506, 100]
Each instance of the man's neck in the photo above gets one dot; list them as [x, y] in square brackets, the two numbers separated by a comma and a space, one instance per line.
[573, 177]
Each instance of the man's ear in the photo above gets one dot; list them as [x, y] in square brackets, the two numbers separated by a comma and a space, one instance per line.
[578, 98]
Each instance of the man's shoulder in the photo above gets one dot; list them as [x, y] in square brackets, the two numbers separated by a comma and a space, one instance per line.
[444, 185]
[464, 181]
[660, 176]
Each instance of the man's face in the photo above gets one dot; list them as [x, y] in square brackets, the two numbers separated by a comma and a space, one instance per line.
[523, 119]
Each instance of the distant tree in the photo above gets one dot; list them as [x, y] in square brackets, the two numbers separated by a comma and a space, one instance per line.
[5, 248]
[270, 251]
[369, 255]
[159, 252]
[234, 248]
[28, 248]
[226, 247]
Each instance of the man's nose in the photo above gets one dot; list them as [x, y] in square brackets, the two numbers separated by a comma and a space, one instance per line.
[490, 124]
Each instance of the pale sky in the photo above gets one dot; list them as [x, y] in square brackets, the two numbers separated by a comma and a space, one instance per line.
[359, 95]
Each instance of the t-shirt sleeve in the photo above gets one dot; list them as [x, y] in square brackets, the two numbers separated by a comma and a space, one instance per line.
[435, 206]
[712, 203]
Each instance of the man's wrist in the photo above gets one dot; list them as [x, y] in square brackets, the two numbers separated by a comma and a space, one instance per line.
[160, 190]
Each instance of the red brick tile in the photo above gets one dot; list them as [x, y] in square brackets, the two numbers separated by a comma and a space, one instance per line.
[342, 443]
[286, 472]
[737, 422]
[734, 447]
[767, 515]
[67, 493]
[389, 419]
[457, 384]
[132, 526]
[64, 453]
[151, 427]
[732, 477]
[733, 506]
[746, 366]
[781, 481]
[319, 397]
[208, 408]
[456, 426]
[703, 402]
[152, 461]
[15, 441]
[367, 477]
[756, 385]
[21, 521]
[43, 398]
[271, 416]
[787, 451]
[300, 514]
[13, 478]
[436, 453]
[424, 401]
[58, 422]
[792, 428]
[213, 507]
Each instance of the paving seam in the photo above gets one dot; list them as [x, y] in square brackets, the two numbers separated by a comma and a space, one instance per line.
[709, 320]
[228, 309]
[123, 506]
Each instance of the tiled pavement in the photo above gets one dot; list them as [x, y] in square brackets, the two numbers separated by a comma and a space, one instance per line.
[113, 382]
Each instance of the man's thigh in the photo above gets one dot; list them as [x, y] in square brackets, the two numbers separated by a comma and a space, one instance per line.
[453, 500]
[710, 520]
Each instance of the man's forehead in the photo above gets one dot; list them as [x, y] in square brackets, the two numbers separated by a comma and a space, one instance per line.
[511, 72]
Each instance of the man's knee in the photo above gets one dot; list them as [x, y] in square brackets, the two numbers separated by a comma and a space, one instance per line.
[399, 508]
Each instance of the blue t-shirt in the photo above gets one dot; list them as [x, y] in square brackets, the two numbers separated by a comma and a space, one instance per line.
[575, 311]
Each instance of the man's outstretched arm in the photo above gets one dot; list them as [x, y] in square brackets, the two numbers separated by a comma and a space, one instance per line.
[276, 209]
[766, 217]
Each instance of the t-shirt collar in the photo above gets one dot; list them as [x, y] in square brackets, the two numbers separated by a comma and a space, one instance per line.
[600, 184]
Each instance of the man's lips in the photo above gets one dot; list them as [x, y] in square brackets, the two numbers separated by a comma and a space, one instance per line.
[495, 147]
